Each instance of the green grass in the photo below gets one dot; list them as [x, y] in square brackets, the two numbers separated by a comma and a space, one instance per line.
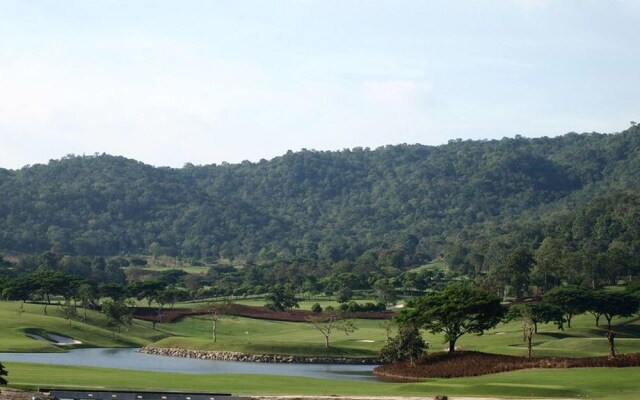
[433, 265]
[584, 339]
[273, 337]
[260, 336]
[187, 269]
[92, 334]
[601, 383]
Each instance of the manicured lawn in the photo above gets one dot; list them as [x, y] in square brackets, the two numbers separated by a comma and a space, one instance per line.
[272, 337]
[92, 334]
[261, 336]
[600, 383]
[583, 339]
[433, 265]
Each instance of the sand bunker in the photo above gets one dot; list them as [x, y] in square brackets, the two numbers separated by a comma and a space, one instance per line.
[55, 339]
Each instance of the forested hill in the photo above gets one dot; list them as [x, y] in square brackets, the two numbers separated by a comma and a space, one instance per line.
[317, 205]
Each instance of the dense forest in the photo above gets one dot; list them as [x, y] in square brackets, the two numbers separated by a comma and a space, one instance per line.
[472, 202]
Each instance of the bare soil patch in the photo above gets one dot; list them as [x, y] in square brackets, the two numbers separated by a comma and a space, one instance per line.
[473, 363]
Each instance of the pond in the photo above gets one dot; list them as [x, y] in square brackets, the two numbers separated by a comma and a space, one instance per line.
[132, 359]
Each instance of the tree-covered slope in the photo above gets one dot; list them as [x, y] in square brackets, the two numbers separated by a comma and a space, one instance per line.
[327, 205]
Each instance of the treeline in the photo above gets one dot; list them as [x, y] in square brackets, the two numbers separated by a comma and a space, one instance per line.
[591, 245]
[47, 275]
[406, 203]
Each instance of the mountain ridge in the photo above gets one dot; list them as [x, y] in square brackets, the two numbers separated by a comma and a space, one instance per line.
[323, 205]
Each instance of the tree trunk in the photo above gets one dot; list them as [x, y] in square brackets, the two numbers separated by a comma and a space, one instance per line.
[213, 331]
[452, 345]
[612, 348]
[326, 341]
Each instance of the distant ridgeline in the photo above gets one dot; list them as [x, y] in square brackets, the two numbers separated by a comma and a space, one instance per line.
[471, 201]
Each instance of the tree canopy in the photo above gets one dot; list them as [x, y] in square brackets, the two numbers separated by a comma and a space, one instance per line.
[406, 202]
[457, 310]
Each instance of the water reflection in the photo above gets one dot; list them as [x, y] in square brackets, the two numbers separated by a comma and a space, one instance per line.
[131, 359]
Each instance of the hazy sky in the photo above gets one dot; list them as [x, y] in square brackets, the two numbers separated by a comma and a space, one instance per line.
[170, 82]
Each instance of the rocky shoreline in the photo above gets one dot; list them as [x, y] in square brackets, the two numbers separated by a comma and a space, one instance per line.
[259, 358]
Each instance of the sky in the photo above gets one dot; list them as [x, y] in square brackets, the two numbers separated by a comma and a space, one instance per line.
[211, 81]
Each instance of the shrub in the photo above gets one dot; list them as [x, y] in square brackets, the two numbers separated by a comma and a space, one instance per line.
[408, 344]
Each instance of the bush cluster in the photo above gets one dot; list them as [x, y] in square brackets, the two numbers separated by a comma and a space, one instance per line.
[352, 306]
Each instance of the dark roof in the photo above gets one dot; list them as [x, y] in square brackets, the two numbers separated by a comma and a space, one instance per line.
[62, 394]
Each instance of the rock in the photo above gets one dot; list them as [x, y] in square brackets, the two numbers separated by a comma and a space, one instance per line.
[246, 357]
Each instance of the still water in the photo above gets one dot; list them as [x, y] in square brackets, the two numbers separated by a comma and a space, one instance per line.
[131, 359]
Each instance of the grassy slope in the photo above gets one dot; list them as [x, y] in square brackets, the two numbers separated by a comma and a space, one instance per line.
[93, 334]
[260, 336]
[268, 336]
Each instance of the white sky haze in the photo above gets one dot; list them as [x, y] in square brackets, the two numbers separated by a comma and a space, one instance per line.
[199, 81]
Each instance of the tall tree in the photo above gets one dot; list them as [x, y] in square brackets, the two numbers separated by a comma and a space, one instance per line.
[571, 300]
[514, 271]
[118, 315]
[281, 297]
[546, 270]
[457, 310]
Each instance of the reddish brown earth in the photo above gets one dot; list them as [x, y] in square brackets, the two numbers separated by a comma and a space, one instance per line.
[472, 363]
[240, 310]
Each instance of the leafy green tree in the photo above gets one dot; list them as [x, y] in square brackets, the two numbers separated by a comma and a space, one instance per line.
[114, 291]
[571, 300]
[20, 288]
[281, 297]
[384, 291]
[612, 304]
[514, 271]
[118, 314]
[547, 268]
[3, 372]
[47, 283]
[149, 290]
[408, 344]
[537, 313]
[457, 310]
[316, 308]
[344, 294]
